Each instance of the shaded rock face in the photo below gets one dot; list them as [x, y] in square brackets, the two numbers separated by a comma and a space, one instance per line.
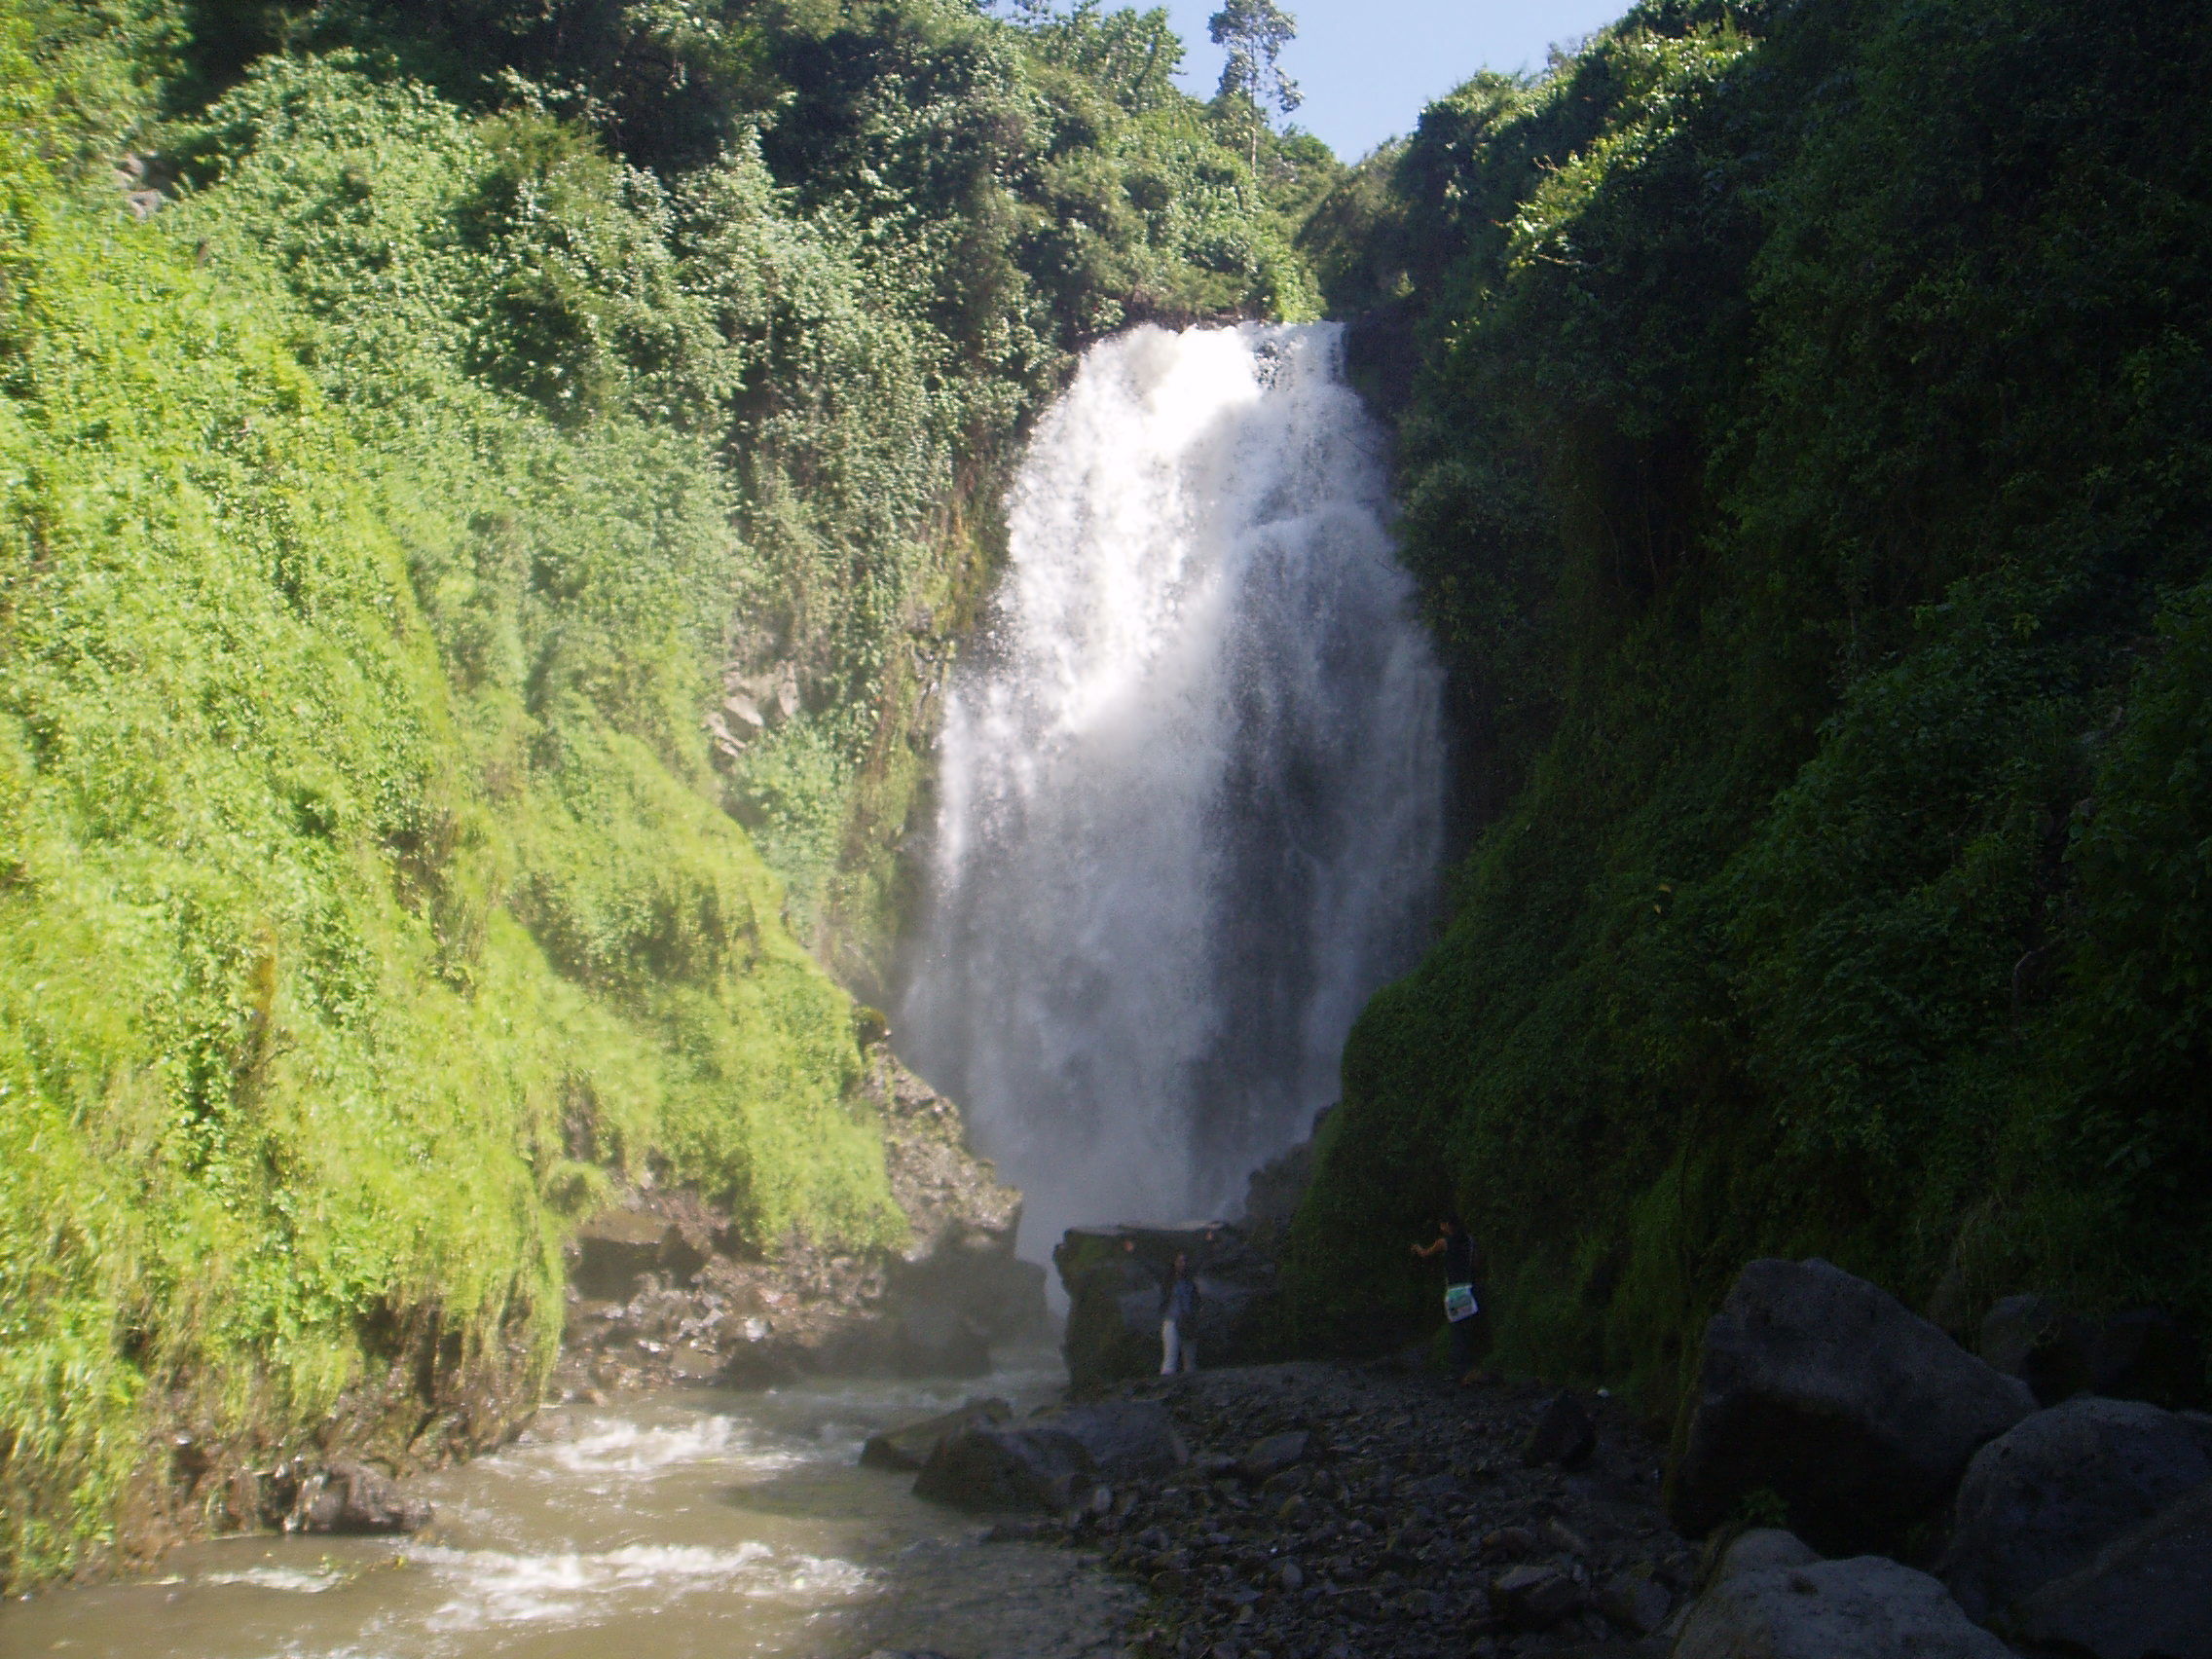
[2146, 1594]
[1115, 1277]
[662, 1288]
[1869, 1608]
[1273, 1191]
[1826, 1390]
[1051, 1462]
[2039, 1500]
[2138, 1354]
[613, 1249]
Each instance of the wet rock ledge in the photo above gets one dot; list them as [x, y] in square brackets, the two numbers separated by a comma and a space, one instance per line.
[662, 1289]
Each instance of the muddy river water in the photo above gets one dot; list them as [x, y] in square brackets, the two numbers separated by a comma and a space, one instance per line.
[678, 1525]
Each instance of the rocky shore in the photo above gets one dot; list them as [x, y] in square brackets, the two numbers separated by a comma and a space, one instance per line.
[1847, 1483]
[663, 1290]
[1328, 1510]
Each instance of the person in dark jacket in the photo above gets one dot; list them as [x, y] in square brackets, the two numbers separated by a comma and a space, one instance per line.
[1179, 1319]
[1467, 1300]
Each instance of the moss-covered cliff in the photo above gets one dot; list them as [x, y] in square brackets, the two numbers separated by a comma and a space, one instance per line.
[428, 433]
[1805, 465]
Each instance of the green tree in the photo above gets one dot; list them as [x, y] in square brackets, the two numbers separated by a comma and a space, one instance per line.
[1254, 32]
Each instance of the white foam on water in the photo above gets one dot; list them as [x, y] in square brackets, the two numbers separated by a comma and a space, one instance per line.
[645, 1450]
[572, 1589]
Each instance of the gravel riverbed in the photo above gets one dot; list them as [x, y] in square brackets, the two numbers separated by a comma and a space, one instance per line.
[1413, 1519]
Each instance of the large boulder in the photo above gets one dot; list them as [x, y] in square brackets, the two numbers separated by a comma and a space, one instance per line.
[1867, 1607]
[1113, 1277]
[909, 1447]
[2040, 1499]
[1126, 1439]
[2146, 1594]
[987, 1467]
[1825, 1389]
[2138, 1354]
[1053, 1461]
[2033, 1339]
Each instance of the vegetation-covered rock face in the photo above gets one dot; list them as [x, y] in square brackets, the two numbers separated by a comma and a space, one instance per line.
[417, 418]
[1806, 473]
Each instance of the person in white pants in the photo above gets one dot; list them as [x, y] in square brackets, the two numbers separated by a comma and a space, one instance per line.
[1179, 1319]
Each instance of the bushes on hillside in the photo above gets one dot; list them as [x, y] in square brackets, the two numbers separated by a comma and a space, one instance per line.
[1806, 477]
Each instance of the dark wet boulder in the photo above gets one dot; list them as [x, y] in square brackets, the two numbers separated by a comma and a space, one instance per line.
[1825, 1390]
[989, 1467]
[909, 1447]
[1563, 1434]
[1867, 1607]
[1053, 1461]
[1126, 1439]
[2040, 1499]
[2146, 1594]
[353, 1497]
[2033, 1339]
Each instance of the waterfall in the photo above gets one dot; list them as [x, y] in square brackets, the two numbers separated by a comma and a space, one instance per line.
[1191, 782]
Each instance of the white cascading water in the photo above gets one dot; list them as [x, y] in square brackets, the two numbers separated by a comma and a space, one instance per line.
[1191, 782]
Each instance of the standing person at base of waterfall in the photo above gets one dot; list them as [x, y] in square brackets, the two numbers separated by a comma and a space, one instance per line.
[1467, 1302]
[1179, 1318]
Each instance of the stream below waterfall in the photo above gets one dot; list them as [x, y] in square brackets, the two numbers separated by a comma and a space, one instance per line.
[692, 1524]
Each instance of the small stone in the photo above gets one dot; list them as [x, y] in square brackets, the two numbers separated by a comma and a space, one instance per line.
[1563, 1536]
[1273, 1454]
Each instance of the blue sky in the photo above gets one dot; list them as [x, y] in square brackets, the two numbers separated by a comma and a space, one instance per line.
[1366, 66]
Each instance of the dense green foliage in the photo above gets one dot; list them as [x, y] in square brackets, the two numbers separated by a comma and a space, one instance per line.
[1807, 474]
[491, 387]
